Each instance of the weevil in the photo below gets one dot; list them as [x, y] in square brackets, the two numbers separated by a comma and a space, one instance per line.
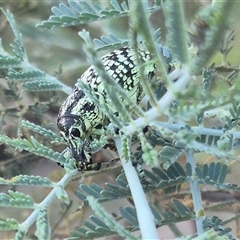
[80, 121]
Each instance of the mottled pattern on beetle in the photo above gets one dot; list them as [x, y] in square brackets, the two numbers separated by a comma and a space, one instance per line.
[120, 65]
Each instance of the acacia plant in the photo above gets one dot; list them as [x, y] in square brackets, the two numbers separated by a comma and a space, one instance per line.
[191, 110]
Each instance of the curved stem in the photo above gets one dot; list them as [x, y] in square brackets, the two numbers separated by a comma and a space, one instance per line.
[163, 103]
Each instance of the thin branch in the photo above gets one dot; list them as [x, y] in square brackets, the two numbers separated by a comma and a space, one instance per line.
[163, 103]
[144, 214]
[48, 200]
[196, 193]
[198, 130]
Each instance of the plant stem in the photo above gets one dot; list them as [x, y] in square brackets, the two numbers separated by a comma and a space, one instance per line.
[144, 214]
[198, 130]
[163, 103]
[196, 194]
[49, 199]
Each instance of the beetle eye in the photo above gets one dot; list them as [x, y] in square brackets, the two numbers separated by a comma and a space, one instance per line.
[75, 132]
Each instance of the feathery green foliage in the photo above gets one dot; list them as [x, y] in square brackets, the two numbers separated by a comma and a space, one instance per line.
[78, 12]
[191, 109]
[27, 180]
[43, 225]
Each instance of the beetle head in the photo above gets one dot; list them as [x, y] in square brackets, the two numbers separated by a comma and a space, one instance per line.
[71, 129]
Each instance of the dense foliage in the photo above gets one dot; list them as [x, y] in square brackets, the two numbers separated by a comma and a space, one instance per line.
[175, 152]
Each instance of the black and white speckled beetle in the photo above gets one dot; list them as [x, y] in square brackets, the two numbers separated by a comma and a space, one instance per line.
[80, 121]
